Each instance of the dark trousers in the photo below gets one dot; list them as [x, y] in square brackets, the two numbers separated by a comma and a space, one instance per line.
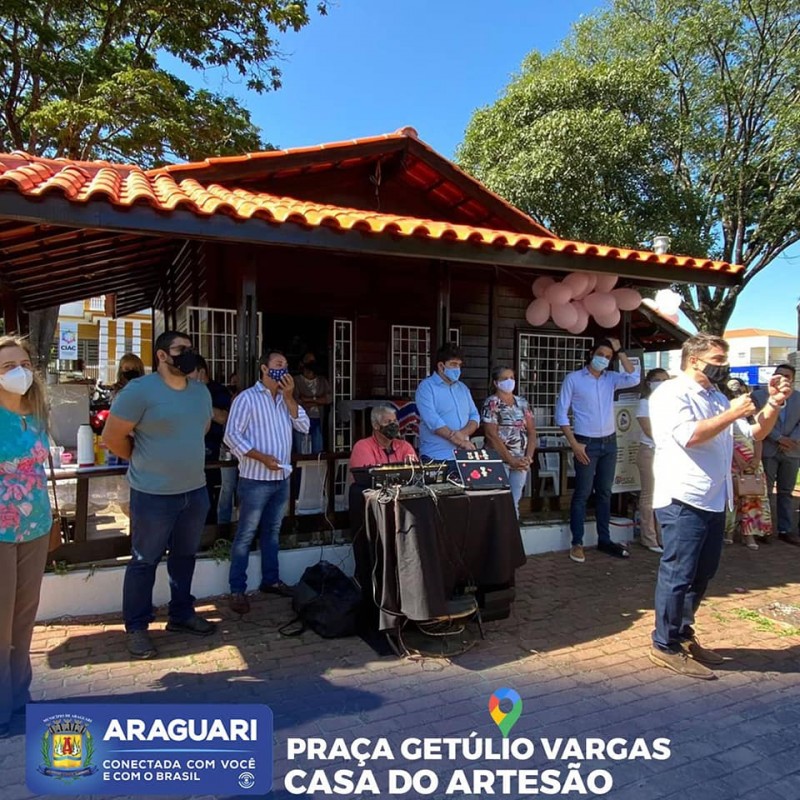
[161, 523]
[783, 472]
[692, 541]
[598, 474]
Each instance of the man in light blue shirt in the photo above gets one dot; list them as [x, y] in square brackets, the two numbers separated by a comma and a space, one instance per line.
[589, 393]
[692, 424]
[447, 413]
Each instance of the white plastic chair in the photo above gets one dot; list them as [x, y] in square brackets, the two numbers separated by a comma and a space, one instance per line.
[548, 469]
[341, 502]
[311, 498]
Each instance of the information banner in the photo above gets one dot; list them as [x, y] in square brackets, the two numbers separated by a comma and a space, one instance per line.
[626, 478]
[68, 341]
[122, 749]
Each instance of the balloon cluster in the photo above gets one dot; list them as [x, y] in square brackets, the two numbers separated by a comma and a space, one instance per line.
[667, 303]
[580, 295]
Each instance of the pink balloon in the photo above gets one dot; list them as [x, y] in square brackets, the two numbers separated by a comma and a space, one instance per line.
[605, 283]
[609, 320]
[538, 312]
[583, 319]
[558, 294]
[583, 315]
[564, 315]
[627, 299]
[599, 304]
[578, 282]
[540, 285]
[589, 286]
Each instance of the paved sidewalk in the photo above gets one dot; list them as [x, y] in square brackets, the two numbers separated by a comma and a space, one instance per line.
[575, 649]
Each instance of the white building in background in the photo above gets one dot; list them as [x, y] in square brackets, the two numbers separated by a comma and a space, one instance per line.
[749, 348]
[759, 347]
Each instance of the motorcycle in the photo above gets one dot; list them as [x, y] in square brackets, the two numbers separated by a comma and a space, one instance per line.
[99, 407]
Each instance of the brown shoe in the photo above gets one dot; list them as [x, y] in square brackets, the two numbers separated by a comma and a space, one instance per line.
[239, 604]
[576, 553]
[695, 650]
[790, 538]
[681, 663]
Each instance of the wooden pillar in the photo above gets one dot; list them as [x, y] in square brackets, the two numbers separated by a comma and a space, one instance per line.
[494, 319]
[247, 322]
[442, 305]
[11, 314]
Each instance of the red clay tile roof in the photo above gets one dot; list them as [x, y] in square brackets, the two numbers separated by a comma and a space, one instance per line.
[126, 186]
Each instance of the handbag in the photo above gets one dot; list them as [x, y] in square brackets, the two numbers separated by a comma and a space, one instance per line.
[57, 529]
[750, 484]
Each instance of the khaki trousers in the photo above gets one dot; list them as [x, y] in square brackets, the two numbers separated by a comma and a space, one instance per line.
[21, 572]
[649, 529]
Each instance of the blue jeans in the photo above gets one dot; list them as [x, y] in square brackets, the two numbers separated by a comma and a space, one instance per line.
[516, 480]
[598, 474]
[692, 548]
[315, 432]
[161, 522]
[783, 471]
[227, 494]
[262, 506]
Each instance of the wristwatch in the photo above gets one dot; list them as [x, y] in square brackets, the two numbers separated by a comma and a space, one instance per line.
[775, 405]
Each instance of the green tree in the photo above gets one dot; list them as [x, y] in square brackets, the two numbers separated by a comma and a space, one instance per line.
[85, 79]
[659, 116]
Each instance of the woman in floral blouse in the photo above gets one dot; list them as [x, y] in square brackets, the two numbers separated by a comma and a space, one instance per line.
[508, 427]
[25, 519]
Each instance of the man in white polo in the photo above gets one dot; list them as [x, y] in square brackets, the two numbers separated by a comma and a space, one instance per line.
[692, 424]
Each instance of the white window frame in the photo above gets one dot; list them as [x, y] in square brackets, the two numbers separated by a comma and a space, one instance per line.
[222, 362]
[343, 385]
[412, 363]
[543, 360]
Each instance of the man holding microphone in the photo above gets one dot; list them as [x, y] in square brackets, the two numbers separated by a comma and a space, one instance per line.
[692, 424]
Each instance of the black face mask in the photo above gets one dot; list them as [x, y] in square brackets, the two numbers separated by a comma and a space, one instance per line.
[390, 431]
[131, 374]
[717, 373]
[186, 362]
[310, 366]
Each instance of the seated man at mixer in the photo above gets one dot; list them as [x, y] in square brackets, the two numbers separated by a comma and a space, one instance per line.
[385, 445]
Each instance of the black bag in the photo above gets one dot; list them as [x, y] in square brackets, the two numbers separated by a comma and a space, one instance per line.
[325, 600]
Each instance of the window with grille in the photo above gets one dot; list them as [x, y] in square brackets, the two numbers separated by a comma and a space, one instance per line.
[342, 384]
[411, 357]
[214, 335]
[543, 362]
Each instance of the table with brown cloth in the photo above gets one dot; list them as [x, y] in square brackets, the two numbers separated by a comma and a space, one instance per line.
[421, 547]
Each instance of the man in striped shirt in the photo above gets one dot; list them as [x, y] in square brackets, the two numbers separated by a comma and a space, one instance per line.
[259, 434]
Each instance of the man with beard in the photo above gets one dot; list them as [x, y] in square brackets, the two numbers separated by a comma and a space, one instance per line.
[159, 424]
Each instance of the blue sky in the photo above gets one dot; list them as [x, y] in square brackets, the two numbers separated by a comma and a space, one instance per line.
[372, 66]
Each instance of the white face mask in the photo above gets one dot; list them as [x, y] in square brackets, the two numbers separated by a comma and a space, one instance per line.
[507, 385]
[17, 380]
[654, 384]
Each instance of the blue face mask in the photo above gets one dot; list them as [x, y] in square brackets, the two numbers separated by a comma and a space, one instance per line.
[452, 373]
[277, 374]
[599, 363]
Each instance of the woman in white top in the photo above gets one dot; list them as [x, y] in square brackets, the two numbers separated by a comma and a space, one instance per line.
[649, 531]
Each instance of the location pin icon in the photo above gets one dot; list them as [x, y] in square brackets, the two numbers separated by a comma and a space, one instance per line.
[505, 720]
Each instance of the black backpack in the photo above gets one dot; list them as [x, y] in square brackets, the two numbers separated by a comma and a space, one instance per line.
[325, 600]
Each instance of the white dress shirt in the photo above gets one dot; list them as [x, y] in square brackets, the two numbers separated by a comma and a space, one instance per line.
[592, 400]
[257, 421]
[700, 475]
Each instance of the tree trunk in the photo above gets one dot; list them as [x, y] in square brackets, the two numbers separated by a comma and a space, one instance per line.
[42, 327]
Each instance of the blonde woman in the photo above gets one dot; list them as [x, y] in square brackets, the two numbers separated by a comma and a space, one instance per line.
[130, 368]
[25, 519]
